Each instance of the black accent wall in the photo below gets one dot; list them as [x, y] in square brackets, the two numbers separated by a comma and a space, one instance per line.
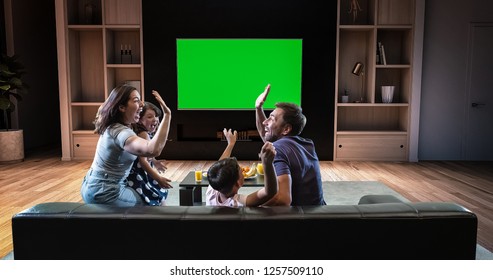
[3, 46]
[193, 133]
[34, 40]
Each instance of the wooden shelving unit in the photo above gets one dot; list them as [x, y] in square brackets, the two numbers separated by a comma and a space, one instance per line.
[100, 47]
[365, 128]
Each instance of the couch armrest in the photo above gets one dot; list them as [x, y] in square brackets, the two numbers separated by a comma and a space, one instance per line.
[380, 198]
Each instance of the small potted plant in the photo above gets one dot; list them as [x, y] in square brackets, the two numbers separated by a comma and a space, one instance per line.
[345, 96]
[11, 87]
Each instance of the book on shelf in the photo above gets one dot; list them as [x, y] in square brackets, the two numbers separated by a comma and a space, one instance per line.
[242, 135]
[384, 60]
[381, 50]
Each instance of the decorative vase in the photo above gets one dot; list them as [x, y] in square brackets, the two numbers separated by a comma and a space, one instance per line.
[387, 94]
[89, 13]
[12, 145]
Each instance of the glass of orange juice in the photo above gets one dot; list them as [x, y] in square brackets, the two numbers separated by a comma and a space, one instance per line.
[260, 169]
[198, 175]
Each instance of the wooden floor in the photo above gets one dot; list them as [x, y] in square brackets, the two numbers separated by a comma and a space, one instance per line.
[43, 177]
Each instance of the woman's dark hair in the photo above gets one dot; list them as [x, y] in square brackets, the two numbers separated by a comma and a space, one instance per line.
[223, 174]
[109, 112]
[293, 115]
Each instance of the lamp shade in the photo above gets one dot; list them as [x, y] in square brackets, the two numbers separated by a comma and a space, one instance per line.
[358, 69]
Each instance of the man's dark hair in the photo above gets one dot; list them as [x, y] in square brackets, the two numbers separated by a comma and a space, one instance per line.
[293, 115]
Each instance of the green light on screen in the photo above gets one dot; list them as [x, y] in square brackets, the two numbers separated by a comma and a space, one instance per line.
[229, 74]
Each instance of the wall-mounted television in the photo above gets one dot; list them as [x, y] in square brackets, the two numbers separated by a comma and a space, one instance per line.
[229, 74]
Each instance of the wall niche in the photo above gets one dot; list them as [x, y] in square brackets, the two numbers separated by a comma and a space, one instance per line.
[313, 21]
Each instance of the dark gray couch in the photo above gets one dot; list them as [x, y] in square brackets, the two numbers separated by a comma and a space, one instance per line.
[375, 230]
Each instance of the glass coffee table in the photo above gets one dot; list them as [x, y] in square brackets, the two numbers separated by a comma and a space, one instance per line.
[191, 191]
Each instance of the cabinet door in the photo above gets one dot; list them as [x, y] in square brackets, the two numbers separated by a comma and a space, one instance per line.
[371, 147]
[85, 146]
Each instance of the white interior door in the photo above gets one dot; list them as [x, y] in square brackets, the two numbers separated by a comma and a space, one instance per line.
[478, 139]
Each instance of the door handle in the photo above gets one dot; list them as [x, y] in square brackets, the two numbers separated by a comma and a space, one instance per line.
[476, 105]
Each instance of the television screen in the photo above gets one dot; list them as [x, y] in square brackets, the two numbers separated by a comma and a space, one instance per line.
[229, 74]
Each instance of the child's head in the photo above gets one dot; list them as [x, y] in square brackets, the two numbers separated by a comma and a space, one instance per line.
[225, 176]
[149, 117]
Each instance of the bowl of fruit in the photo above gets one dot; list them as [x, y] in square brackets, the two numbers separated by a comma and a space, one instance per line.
[249, 172]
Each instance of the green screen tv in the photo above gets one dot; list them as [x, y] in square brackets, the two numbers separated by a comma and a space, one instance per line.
[229, 74]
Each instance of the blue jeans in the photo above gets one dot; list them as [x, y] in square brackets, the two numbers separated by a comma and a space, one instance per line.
[99, 187]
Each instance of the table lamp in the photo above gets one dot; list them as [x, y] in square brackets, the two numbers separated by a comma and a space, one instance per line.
[358, 70]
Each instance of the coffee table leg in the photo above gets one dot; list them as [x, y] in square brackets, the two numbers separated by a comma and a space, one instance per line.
[197, 195]
[186, 196]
